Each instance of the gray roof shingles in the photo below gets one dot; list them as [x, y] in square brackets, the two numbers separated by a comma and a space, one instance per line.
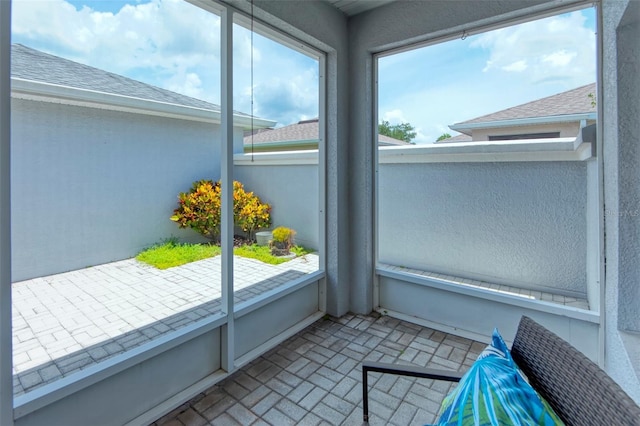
[457, 138]
[306, 130]
[302, 131]
[34, 65]
[575, 101]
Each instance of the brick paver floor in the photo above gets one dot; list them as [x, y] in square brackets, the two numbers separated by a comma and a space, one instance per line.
[314, 378]
[63, 323]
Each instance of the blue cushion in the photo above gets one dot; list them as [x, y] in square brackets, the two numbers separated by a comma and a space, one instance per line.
[495, 392]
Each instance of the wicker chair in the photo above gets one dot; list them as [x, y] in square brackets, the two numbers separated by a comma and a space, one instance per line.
[578, 390]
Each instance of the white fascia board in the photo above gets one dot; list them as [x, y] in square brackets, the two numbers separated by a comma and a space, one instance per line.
[279, 158]
[280, 144]
[47, 92]
[464, 128]
[552, 149]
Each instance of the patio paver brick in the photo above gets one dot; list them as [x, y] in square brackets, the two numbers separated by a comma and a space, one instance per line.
[330, 392]
[63, 323]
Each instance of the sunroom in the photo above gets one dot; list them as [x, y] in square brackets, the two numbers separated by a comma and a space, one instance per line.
[459, 238]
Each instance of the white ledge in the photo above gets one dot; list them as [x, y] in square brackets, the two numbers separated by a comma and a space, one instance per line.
[553, 149]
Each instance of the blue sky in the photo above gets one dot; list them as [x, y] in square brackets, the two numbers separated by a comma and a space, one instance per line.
[450, 82]
[175, 45]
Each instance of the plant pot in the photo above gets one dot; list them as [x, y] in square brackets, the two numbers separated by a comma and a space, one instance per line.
[279, 248]
[263, 238]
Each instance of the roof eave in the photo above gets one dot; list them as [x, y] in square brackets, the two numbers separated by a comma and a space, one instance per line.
[47, 92]
[278, 144]
[467, 127]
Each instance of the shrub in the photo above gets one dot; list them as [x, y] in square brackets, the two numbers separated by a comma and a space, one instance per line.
[249, 212]
[282, 241]
[200, 209]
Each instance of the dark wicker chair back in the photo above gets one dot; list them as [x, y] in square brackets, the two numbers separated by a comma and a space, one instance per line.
[578, 390]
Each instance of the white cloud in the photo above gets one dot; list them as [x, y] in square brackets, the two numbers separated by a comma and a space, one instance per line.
[534, 47]
[171, 44]
[560, 58]
[159, 42]
[447, 83]
[517, 66]
[395, 116]
[289, 99]
[189, 84]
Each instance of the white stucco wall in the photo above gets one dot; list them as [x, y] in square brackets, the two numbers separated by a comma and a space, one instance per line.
[91, 186]
[293, 192]
[521, 224]
[621, 128]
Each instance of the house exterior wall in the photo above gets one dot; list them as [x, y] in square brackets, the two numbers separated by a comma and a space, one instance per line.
[567, 130]
[91, 186]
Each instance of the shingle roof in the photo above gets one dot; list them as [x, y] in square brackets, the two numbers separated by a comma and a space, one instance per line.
[306, 130]
[457, 138]
[302, 131]
[575, 101]
[388, 140]
[34, 65]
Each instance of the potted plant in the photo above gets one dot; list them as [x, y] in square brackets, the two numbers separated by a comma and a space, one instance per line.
[282, 241]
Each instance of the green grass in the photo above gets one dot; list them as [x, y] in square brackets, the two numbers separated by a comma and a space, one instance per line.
[170, 254]
[263, 254]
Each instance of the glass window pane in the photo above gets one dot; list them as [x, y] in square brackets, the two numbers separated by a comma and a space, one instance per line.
[518, 227]
[115, 111]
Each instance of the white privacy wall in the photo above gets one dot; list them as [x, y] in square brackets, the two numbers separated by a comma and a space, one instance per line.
[521, 224]
[293, 193]
[91, 186]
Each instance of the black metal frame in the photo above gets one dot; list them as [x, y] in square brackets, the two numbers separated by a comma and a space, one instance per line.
[401, 370]
[579, 391]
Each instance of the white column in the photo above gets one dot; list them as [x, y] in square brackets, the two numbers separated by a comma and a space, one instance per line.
[226, 228]
[322, 176]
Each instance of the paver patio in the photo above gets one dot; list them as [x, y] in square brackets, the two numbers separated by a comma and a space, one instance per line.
[65, 322]
[315, 378]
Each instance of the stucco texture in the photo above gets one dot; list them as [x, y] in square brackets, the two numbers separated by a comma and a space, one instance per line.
[520, 224]
[90, 186]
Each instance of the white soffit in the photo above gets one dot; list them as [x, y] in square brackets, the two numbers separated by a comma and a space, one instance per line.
[353, 7]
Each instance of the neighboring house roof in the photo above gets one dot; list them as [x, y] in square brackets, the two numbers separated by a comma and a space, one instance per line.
[457, 138]
[305, 132]
[29, 66]
[572, 105]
